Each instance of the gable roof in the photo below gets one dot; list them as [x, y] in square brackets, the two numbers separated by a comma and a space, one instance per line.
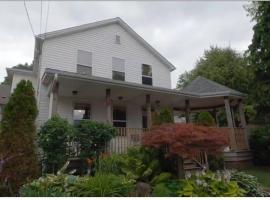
[206, 88]
[106, 22]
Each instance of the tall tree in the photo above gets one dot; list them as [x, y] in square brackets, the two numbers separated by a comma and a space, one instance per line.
[223, 65]
[18, 131]
[259, 53]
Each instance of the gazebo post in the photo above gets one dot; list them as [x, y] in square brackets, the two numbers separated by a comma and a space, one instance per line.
[243, 119]
[187, 110]
[230, 123]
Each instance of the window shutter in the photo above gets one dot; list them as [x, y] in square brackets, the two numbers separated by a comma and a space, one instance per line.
[118, 64]
[84, 58]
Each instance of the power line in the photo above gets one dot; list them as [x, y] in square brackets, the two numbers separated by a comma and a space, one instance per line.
[47, 17]
[40, 26]
[28, 17]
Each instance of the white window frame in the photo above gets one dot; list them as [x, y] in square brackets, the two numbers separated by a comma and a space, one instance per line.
[147, 75]
[113, 70]
[84, 65]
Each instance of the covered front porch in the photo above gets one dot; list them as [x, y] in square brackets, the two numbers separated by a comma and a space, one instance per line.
[129, 106]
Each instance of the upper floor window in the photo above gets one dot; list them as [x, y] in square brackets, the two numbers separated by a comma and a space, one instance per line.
[81, 112]
[147, 74]
[117, 39]
[84, 63]
[118, 69]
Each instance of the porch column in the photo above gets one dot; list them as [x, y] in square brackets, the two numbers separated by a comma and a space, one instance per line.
[148, 110]
[230, 123]
[53, 95]
[187, 110]
[216, 117]
[243, 119]
[109, 106]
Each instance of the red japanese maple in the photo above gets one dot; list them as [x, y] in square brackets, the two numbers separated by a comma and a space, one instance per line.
[186, 139]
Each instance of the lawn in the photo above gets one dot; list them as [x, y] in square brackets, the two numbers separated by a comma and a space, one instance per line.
[262, 173]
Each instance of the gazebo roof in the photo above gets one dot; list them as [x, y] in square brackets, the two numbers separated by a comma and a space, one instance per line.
[206, 88]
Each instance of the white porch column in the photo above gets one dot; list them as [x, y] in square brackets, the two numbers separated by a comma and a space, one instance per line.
[53, 95]
[243, 120]
[109, 106]
[148, 110]
[187, 110]
[230, 123]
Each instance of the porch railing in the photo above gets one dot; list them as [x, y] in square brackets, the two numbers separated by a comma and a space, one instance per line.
[125, 138]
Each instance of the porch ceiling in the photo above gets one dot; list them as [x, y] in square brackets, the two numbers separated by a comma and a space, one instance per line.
[95, 87]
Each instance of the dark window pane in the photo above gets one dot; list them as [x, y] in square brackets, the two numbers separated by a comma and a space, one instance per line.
[119, 124]
[81, 112]
[84, 70]
[147, 80]
[146, 70]
[118, 76]
[119, 113]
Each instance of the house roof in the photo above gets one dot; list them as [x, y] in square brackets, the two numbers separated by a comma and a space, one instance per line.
[97, 24]
[204, 87]
[4, 94]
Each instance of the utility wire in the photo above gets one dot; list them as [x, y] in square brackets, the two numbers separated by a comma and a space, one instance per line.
[28, 17]
[47, 17]
[40, 26]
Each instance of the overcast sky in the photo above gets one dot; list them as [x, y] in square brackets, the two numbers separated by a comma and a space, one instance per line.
[180, 31]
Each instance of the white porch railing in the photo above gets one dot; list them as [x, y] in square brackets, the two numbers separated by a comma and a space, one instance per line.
[125, 138]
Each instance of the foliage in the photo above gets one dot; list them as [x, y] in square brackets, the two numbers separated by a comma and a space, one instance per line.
[102, 185]
[222, 65]
[258, 53]
[216, 162]
[259, 141]
[164, 176]
[210, 185]
[163, 116]
[166, 189]
[205, 119]
[53, 138]
[249, 183]
[49, 186]
[93, 137]
[186, 139]
[17, 149]
[141, 163]
[109, 164]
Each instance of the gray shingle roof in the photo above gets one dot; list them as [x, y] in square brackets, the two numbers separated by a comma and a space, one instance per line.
[4, 93]
[204, 87]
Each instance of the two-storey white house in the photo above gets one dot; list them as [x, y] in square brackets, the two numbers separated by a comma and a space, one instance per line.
[104, 71]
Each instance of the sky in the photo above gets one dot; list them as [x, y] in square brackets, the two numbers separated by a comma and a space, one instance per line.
[179, 30]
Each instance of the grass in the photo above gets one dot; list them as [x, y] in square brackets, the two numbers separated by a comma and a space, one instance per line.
[262, 174]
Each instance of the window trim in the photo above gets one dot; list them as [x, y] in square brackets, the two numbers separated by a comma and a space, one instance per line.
[147, 76]
[77, 63]
[84, 66]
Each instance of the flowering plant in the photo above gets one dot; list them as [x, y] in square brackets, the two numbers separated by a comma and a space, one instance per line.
[203, 184]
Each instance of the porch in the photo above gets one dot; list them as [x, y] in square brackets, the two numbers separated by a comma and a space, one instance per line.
[66, 90]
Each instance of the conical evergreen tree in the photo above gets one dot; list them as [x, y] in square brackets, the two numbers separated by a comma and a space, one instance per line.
[17, 138]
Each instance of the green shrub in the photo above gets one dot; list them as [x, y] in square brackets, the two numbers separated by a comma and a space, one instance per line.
[216, 162]
[93, 137]
[168, 188]
[210, 185]
[110, 164]
[141, 163]
[49, 186]
[52, 138]
[260, 144]
[163, 116]
[205, 119]
[249, 183]
[163, 177]
[102, 185]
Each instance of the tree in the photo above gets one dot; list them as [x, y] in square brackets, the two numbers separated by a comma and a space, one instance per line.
[163, 116]
[186, 139]
[17, 137]
[223, 65]
[259, 53]
[26, 66]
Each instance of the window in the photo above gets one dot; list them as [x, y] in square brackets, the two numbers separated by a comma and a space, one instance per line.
[84, 63]
[81, 112]
[119, 117]
[147, 75]
[118, 69]
[117, 39]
